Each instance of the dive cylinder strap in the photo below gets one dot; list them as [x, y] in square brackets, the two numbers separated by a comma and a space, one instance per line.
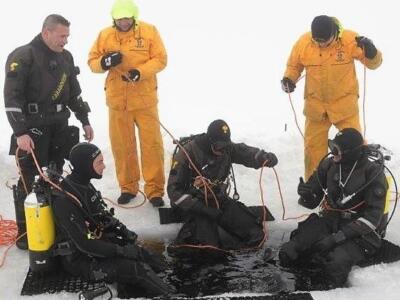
[64, 249]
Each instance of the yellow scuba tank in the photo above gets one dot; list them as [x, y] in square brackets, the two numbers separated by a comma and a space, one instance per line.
[389, 180]
[40, 228]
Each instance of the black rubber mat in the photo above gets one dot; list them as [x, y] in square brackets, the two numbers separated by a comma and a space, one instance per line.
[56, 282]
[282, 296]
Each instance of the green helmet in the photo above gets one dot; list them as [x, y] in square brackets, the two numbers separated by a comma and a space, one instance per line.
[124, 9]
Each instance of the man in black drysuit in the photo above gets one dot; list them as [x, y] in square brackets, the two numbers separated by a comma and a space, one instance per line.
[90, 241]
[206, 218]
[40, 89]
[351, 189]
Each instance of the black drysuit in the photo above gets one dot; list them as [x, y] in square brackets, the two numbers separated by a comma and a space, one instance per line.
[204, 221]
[40, 89]
[348, 229]
[100, 258]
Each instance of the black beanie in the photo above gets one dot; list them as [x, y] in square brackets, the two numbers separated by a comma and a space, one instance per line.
[322, 28]
[218, 131]
[81, 158]
[349, 141]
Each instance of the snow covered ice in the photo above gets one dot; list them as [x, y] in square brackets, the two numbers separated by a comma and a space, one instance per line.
[226, 59]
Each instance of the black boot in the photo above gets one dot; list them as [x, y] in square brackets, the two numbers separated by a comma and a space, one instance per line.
[125, 198]
[288, 254]
[19, 198]
[157, 201]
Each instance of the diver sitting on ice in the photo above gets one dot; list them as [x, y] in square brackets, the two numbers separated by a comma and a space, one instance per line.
[350, 187]
[197, 187]
[91, 242]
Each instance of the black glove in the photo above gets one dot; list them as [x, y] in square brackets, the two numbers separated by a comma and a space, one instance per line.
[330, 241]
[288, 85]
[308, 198]
[368, 46]
[134, 75]
[200, 209]
[128, 235]
[109, 222]
[270, 157]
[111, 59]
[129, 251]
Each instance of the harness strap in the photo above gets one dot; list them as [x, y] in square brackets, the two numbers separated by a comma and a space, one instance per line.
[64, 249]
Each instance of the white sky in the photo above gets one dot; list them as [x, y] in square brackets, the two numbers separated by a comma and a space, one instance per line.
[226, 58]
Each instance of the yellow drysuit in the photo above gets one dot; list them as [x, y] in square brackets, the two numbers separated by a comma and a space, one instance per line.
[134, 104]
[331, 89]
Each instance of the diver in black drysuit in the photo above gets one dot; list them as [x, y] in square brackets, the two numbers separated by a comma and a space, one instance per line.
[91, 242]
[351, 190]
[223, 222]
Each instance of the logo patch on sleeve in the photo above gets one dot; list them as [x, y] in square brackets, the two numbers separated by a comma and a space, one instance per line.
[13, 66]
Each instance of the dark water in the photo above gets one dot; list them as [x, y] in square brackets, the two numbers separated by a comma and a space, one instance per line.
[244, 272]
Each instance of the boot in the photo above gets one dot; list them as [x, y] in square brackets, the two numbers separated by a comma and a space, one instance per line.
[288, 254]
[19, 198]
[125, 198]
[157, 201]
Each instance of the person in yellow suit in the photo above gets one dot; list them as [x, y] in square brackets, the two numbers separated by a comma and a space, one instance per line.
[132, 53]
[327, 54]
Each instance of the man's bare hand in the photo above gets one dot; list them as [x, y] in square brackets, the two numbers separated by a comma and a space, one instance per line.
[25, 143]
[89, 133]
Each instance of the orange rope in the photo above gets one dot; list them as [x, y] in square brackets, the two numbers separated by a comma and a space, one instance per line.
[265, 238]
[47, 179]
[20, 171]
[201, 247]
[283, 202]
[364, 97]
[325, 205]
[265, 229]
[294, 111]
[8, 228]
[8, 236]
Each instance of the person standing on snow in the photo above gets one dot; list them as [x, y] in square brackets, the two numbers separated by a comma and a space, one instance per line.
[90, 241]
[327, 53]
[350, 227]
[213, 154]
[40, 89]
[132, 53]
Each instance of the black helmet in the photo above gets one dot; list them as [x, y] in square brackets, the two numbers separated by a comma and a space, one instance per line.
[219, 134]
[347, 142]
[81, 157]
